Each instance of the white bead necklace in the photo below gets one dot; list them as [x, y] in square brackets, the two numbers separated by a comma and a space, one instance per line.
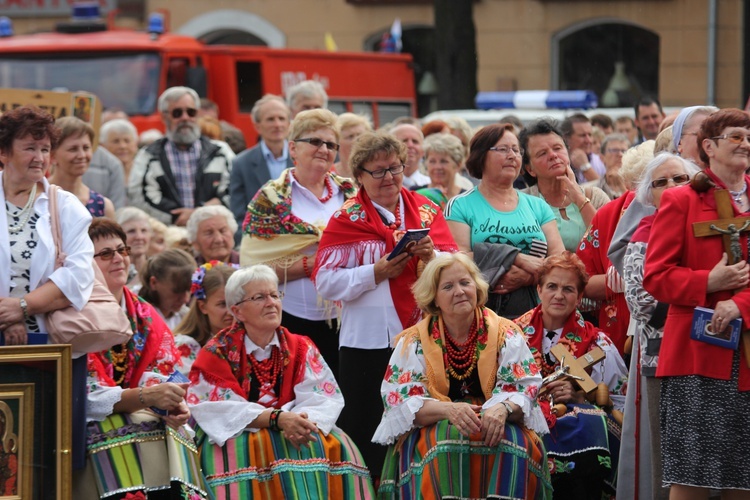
[24, 215]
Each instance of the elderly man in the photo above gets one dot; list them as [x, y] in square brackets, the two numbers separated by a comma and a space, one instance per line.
[586, 164]
[648, 117]
[265, 161]
[412, 138]
[184, 170]
[306, 95]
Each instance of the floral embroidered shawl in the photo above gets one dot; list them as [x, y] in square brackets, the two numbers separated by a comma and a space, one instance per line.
[151, 348]
[271, 232]
[223, 362]
[578, 336]
[357, 229]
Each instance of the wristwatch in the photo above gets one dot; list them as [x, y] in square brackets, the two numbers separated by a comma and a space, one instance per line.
[585, 167]
[508, 407]
[24, 308]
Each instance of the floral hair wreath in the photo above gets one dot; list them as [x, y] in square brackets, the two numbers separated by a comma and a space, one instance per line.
[196, 289]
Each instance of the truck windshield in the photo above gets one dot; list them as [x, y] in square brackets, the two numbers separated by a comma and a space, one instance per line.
[126, 81]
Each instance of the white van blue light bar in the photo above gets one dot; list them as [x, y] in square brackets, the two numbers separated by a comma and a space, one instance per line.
[537, 99]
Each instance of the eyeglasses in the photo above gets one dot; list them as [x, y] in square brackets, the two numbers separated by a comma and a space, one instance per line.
[505, 150]
[318, 143]
[379, 174]
[108, 253]
[177, 112]
[734, 138]
[260, 298]
[679, 180]
[616, 151]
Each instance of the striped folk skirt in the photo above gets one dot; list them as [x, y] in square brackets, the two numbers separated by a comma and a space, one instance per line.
[438, 462]
[264, 465]
[132, 453]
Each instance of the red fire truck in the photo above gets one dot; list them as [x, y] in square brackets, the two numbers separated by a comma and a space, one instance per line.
[129, 69]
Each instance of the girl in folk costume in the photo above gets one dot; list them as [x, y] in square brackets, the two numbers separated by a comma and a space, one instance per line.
[266, 403]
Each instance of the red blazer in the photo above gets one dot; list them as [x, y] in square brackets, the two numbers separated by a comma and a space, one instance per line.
[676, 272]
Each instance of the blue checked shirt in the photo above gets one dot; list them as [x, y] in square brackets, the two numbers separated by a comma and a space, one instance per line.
[184, 165]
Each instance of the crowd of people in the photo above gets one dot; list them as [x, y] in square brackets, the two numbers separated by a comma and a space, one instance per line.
[536, 341]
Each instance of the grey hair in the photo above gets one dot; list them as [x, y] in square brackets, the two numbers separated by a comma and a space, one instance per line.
[406, 126]
[127, 214]
[234, 290]
[206, 212]
[308, 88]
[173, 94]
[255, 112]
[614, 138]
[445, 144]
[643, 191]
[118, 126]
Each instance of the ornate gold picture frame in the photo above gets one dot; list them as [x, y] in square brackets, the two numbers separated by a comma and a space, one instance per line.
[35, 422]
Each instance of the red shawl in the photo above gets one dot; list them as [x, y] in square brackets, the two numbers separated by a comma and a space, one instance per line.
[578, 336]
[614, 314]
[223, 362]
[358, 223]
[145, 349]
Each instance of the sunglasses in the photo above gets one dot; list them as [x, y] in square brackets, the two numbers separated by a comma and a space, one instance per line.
[177, 112]
[679, 180]
[734, 138]
[318, 143]
[108, 253]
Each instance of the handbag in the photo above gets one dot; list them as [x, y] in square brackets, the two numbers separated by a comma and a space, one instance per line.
[101, 323]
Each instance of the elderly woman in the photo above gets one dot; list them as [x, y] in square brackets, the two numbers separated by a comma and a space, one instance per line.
[663, 172]
[286, 219]
[71, 159]
[582, 453]
[444, 156]
[683, 271]
[31, 285]
[208, 313]
[280, 441]
[132, 399]
[350, 126]
[550, 177]
[120, 138]
[460, 381]
[166, 279]
[353, 267]
[613, 147]
[157, 243]
[137, 226]
[211, 231]
[685, 132]
[509, 232]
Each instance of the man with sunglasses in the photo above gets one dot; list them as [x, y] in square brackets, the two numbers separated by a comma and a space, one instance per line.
[184, 170]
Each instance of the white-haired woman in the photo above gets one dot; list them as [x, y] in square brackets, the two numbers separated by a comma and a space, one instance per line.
[285, 221]
[444, 156]
[135, 222]
[283, 400]
[663, 172]
[351, 126]
[211, 232]
[120, 137]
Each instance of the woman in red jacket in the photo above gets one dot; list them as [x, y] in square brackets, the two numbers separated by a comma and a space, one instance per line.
[704, 449]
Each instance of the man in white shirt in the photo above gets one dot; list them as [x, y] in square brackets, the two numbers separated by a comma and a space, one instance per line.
[413, 138]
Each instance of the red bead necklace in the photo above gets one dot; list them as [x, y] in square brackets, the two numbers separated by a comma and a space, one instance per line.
[328, 186]
[267, 372]
[461, 357]
[396, 224]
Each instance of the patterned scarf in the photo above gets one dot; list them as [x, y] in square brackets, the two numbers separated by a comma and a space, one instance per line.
[223, 362]
[143, 350]
[271, 232]
[356, 229]
[577, 336]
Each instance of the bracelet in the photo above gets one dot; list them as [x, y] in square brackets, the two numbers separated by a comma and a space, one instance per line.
[305, 268]
[140, 396]
[273, 421]
[24, 308]
[584, 204]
